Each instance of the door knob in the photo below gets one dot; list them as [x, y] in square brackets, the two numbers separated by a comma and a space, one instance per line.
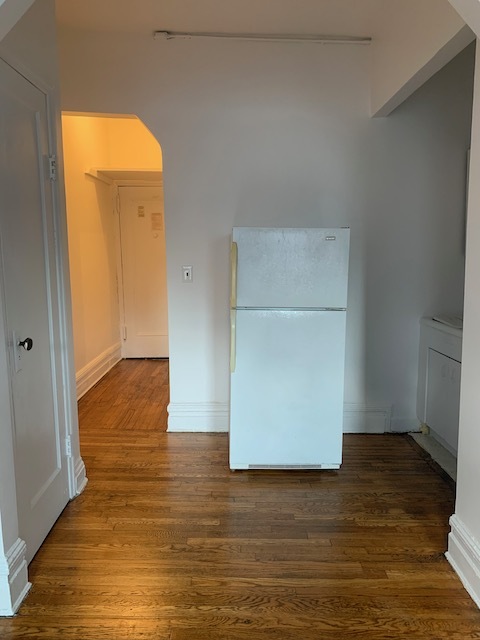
[27, 344]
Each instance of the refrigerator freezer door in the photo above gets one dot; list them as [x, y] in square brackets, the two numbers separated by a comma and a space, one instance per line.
[291, 268]
[287, 389]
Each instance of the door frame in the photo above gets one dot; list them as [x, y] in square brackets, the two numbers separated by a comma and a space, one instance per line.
[118, 246]
[115, 178]
[14, 584]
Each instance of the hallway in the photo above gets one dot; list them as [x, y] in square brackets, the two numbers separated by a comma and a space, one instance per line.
[166, 543]
[133, 395]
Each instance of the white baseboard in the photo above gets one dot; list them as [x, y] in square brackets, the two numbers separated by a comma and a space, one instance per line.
[91, 373]
[363, 418]
[14, 584]
[80, 476]
[214, 417]
[405, 425]
[464, 556]
[198, 416]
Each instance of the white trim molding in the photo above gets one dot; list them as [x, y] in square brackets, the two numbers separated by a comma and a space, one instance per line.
[81, 479]
[14, 584]
[464, 556]
[91, 373]
[198, 416]
[366, 418]
[215, 417]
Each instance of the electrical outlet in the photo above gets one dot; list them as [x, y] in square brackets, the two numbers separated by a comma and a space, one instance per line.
[187, 273]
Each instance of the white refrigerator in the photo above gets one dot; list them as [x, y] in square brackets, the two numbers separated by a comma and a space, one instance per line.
[288, 308]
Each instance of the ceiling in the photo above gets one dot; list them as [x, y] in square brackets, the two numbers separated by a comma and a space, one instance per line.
[324, 17]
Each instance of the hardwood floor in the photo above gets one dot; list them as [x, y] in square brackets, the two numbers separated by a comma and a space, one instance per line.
[167, 544]
[133, 395]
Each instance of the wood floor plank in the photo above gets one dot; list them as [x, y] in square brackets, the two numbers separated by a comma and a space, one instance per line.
[167, 544]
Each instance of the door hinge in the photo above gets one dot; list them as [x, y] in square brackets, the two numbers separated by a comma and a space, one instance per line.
[68, 446]
[52, 167]
[124, 332]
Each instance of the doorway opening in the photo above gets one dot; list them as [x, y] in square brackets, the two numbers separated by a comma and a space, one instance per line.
[117, 248]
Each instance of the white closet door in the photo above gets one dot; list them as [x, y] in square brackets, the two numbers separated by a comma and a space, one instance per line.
[144, 272]
[27, 255]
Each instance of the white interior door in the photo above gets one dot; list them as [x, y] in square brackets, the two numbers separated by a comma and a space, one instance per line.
[142, 232]
[28, 269]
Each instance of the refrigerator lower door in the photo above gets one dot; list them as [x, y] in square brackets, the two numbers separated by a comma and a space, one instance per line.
[287, 390]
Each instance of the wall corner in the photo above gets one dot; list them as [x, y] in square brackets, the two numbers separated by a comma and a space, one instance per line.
[14, 584]
[464, 556]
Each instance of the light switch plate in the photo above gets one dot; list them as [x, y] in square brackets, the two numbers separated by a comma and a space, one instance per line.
[187, 273]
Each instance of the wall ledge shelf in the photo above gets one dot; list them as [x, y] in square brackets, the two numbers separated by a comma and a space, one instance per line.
[125, 176]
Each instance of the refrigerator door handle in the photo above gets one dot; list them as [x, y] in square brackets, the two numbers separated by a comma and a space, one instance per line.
[233, 340]
[233, 264]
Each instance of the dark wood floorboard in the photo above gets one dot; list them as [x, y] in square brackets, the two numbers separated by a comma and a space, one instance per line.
[166, 543]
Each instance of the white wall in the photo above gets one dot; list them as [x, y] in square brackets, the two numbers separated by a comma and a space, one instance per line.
[10, 12]
[464, 540]
[92, 250]
[90, 143]
[412, 41]
[415, 253]
[272, 134]
[469, 10]
[131, 145]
